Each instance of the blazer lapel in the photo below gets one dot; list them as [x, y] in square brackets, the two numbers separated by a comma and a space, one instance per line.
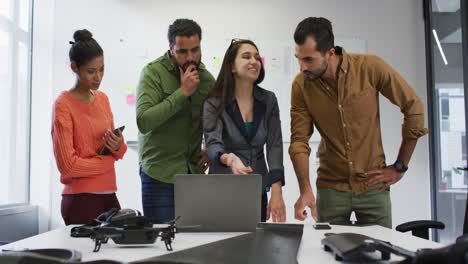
[259, 109]
[234, 112]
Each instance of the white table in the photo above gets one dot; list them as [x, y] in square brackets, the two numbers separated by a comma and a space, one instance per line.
[311, 250]
[60, 238]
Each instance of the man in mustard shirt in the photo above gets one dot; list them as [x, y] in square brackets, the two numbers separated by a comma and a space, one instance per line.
[338, 94]
[170, 95]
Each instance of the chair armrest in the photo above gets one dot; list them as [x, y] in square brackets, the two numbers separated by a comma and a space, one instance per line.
[420, 228]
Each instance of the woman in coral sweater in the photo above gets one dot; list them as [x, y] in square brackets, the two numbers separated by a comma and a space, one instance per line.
[82, 125]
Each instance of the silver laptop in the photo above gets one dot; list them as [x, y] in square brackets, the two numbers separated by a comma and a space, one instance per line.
[217, 202]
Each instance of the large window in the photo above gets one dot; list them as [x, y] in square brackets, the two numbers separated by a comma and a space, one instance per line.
[447, 98]
[15, 61]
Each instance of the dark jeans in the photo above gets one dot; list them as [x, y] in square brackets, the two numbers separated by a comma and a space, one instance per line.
[83, 208]
[158, 200]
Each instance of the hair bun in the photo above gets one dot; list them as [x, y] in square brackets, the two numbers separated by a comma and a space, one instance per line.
[82, 35]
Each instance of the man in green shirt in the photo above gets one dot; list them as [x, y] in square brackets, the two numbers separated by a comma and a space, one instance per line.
[170, 95]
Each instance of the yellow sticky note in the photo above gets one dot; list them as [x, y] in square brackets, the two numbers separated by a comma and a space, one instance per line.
[217, 62]
[128, 89]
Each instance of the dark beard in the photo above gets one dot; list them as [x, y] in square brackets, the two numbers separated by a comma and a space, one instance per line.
[316, 76]
[188, 63]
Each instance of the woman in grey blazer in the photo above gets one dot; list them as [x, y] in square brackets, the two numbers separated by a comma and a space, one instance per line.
[239, 119]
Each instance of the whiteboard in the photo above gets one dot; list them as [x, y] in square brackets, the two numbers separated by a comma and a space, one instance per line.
[281, 67]
[126, 60]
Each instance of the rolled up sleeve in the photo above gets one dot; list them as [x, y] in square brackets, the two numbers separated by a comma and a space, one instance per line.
[399, 92]
[302, 125]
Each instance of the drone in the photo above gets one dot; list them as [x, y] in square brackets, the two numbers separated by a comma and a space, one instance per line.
[126, 226]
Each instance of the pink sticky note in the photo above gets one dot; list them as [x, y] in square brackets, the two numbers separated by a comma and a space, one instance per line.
[131, 99]
[263, 60]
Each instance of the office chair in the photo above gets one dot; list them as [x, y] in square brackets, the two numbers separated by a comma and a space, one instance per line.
[421, 228]
[465, 224]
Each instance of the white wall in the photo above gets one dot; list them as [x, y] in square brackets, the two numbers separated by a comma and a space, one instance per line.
[392, 29]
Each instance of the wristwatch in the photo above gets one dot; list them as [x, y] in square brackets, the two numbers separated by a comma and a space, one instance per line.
[400, 166]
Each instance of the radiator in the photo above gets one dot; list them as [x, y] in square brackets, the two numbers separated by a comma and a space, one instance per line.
[18, 221]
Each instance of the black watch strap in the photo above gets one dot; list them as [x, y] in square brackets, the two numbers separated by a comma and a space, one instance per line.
[400, 166]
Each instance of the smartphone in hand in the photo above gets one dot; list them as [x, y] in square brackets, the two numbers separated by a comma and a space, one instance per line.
[106, 151]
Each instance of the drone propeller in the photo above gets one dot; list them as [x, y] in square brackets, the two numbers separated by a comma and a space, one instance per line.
[172, 222]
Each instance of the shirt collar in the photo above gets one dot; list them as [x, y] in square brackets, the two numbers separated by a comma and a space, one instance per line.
[344, 66]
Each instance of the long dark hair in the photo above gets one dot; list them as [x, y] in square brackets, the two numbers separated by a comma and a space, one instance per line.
[225, 83]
